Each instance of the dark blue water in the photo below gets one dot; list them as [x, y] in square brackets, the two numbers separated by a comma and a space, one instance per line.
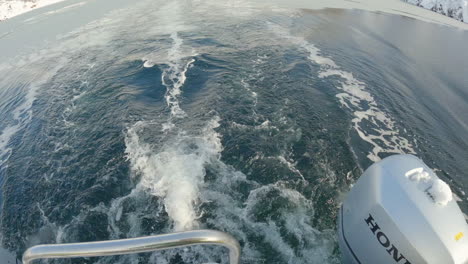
[175, 116]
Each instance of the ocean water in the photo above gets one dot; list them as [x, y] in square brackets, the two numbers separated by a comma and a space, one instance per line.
[171, 116]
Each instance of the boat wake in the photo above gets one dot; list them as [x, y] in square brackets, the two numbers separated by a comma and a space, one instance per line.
[372, 124]
[189, 122]
[20, 113]
[176, 173]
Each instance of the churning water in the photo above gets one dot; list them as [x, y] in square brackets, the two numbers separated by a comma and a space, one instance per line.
[178, 115]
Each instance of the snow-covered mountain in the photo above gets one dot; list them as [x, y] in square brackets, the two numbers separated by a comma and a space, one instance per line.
[457, 9]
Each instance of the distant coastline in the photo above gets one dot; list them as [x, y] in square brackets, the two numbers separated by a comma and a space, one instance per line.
[12, 8]
[456, 9]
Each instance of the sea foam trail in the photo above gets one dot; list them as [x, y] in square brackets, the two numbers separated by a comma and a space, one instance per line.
[173, 74]
[175, 62]
[176, 173]
[22, 114]
[261, 221]
[383, 134]
[174, 77]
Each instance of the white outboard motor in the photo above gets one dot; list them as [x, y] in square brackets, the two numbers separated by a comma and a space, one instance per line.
[399, 211]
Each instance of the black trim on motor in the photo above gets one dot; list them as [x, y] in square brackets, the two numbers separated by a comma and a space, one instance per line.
[344, 237]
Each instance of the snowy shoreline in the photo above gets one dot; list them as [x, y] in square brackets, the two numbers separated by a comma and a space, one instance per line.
[456, 9]
[12, 8]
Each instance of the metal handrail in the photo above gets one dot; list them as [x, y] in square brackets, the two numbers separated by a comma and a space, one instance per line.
[135, 245]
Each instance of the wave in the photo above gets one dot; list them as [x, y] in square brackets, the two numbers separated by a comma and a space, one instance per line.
[174, 77]
[176, 173]
[20, 116]
[372, 124]
[181, 183]
[272, 216]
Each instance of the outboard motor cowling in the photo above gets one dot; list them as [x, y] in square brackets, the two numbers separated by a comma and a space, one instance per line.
[399, 211]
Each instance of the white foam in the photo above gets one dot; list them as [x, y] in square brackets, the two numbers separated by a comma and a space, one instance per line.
[291, 166]
[115, 215]
[174, 76]
[253, 94]
[5, 137]
[147, 63]
[292, 218]
[49, 232]
[176, 173]
[175, 65]
[77, 94]
[265, 125]
[384, 136]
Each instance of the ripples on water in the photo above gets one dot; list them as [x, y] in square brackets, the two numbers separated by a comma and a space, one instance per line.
[193, 115]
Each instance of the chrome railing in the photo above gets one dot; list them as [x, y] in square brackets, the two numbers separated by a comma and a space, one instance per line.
[135, 245]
